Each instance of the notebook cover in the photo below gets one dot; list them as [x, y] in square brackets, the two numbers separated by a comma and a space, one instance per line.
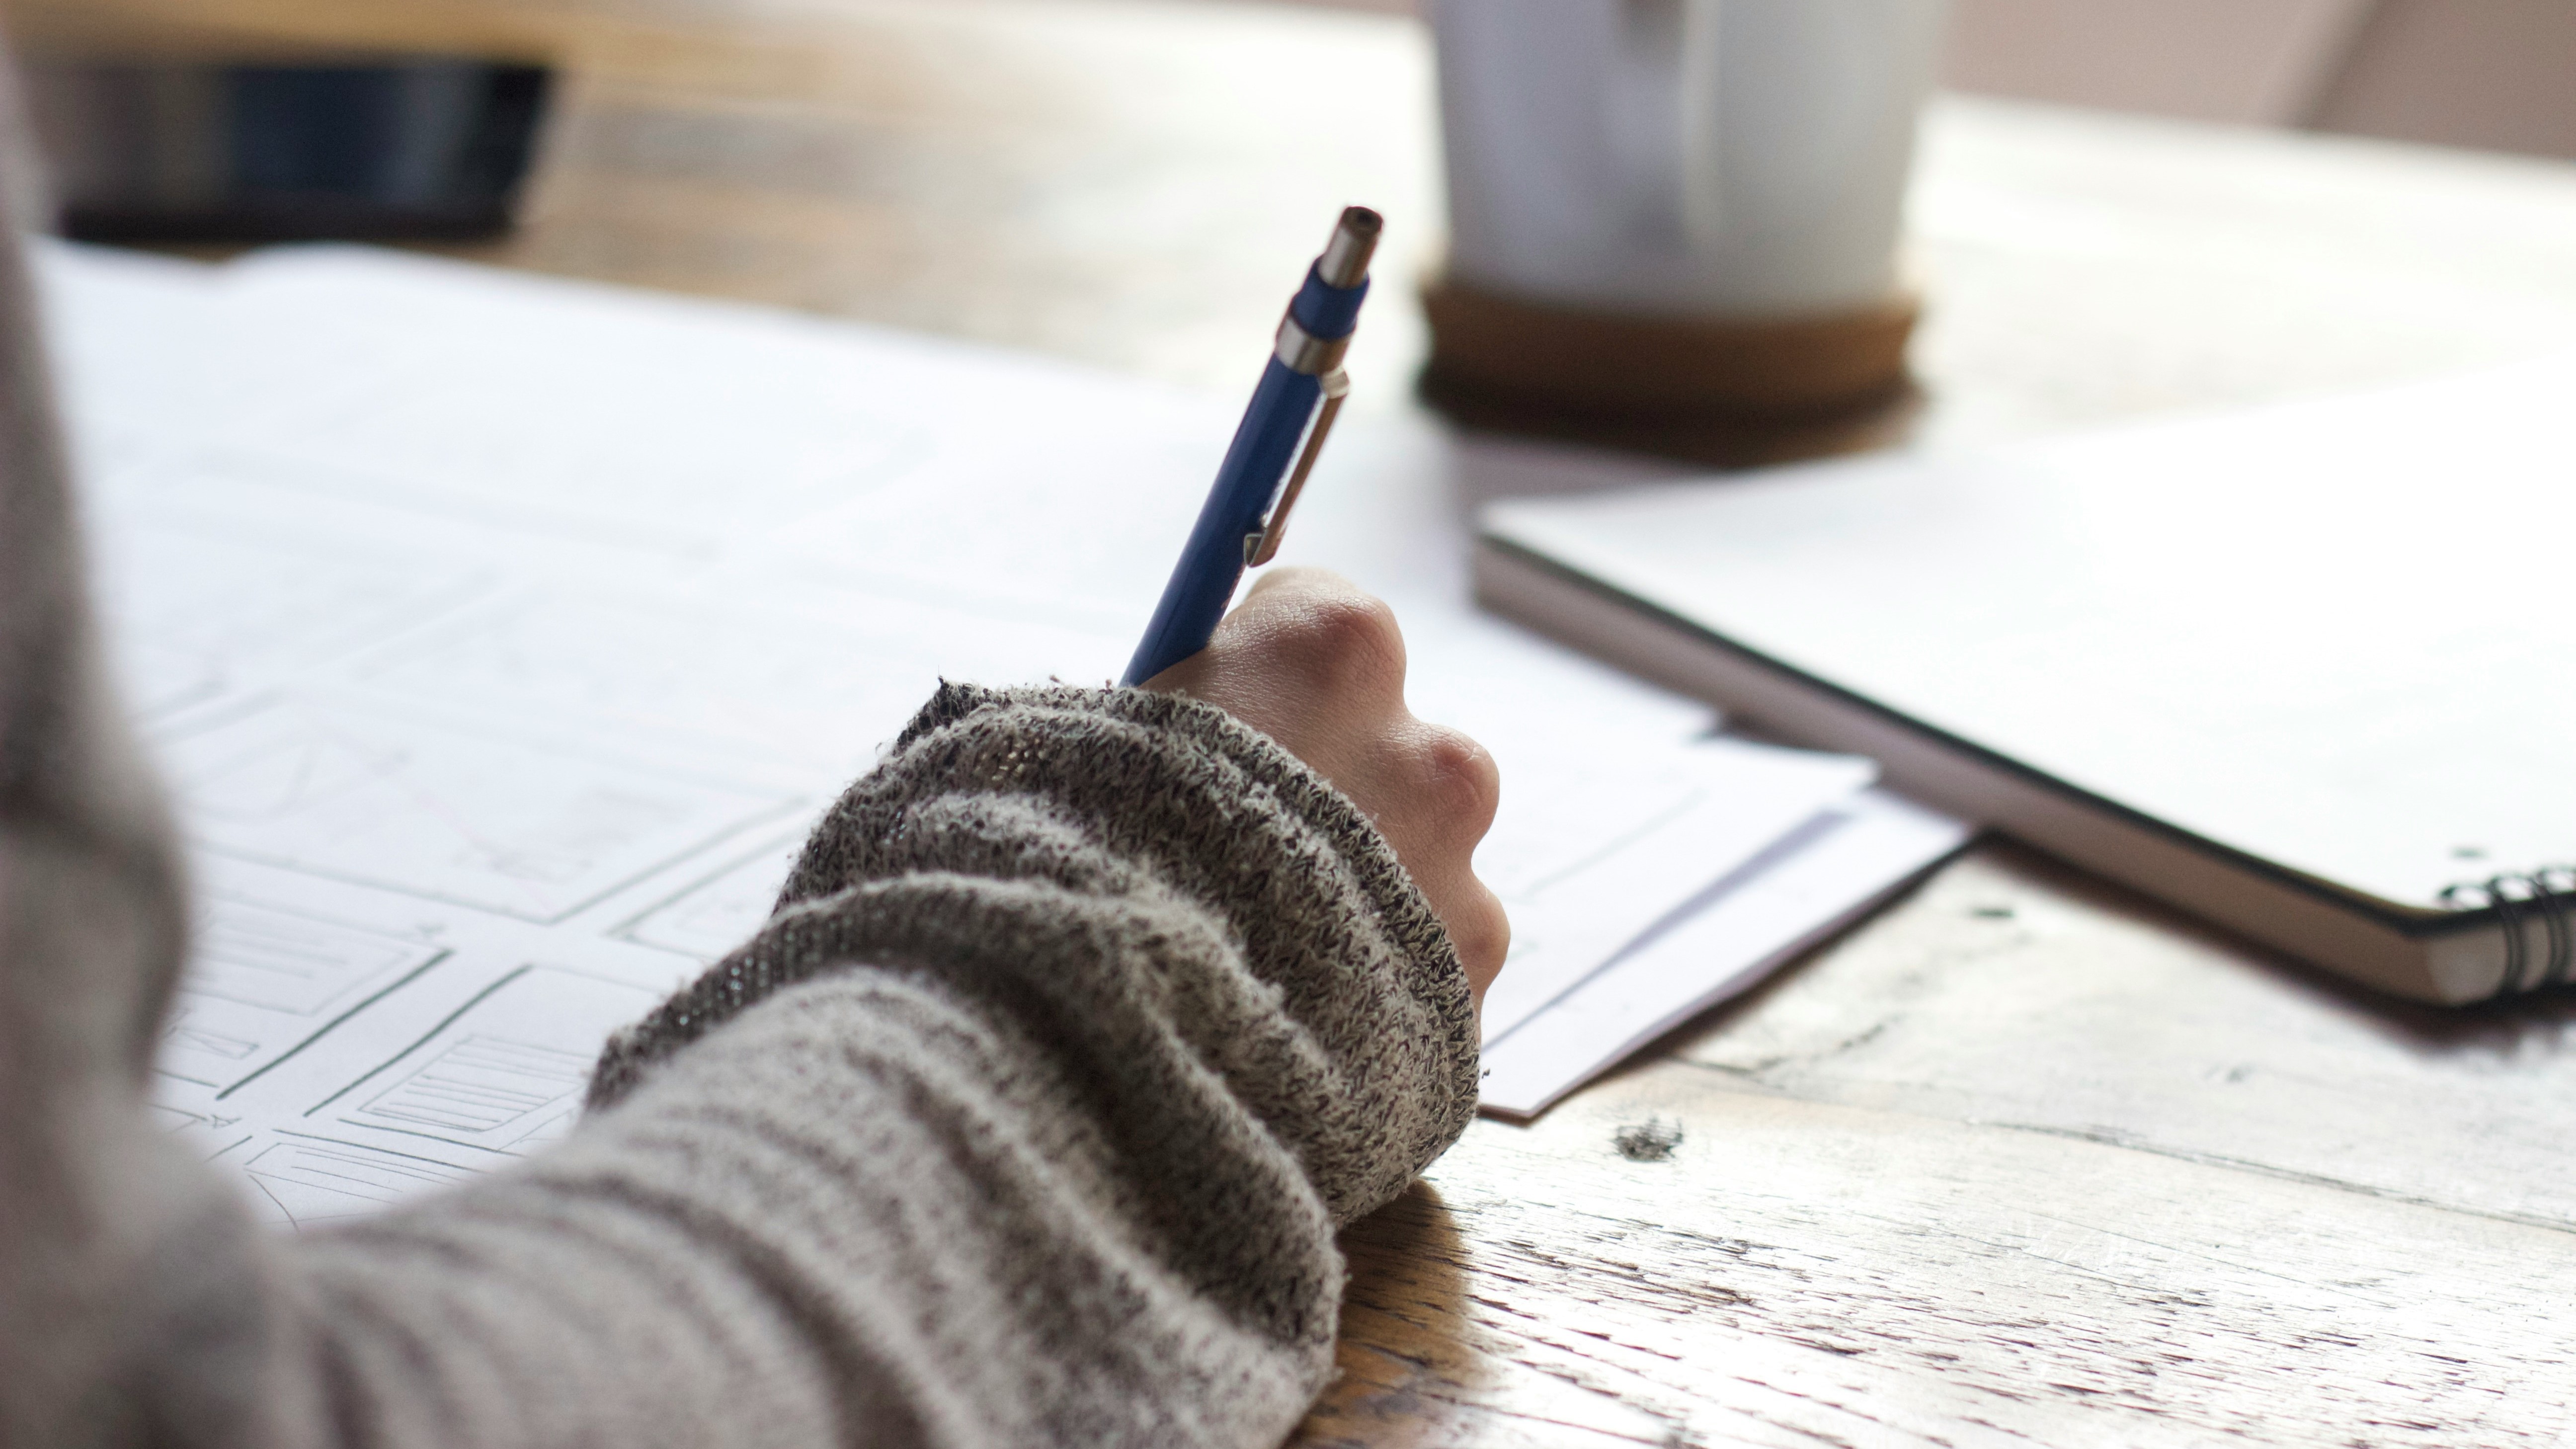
[2322, 634]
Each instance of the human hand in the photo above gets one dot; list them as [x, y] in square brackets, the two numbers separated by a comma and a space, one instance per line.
[1313, 662]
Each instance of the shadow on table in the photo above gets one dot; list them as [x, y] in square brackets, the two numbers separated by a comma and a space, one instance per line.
[2503, 1028]
[1950, 961]
[1406, 1376]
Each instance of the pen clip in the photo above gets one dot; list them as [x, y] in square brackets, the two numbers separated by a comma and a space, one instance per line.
[1261, 547]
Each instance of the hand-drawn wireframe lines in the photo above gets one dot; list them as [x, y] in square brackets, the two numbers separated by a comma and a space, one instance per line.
[308, 1180]
[491, 1090]
[257, 957]
[501, 1074]
[188, 1036]
[818, 699]
[263, 983]
[190, 1113]
[529, 829]
[713, 915]
[192, 613]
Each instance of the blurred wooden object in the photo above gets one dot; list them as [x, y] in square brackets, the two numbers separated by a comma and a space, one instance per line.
[2254, 62]
[1731, 394]
[2022, 1160]
[2490, 74]
[2493, 74]
[1120, 182]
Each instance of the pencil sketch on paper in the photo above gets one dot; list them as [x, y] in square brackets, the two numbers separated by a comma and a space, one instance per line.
[262, 982]
[485, 1090]
[278, 961]
[715, 679]
[499, 1076]
[192, 1116]
[713, 915]
[304, 1181]
[517, 826]
[196, 612]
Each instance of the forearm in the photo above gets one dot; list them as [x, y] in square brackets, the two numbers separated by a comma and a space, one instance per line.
[1028, 1122]
[862, 1213]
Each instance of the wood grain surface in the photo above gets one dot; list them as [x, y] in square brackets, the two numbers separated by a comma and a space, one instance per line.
[2023, 1159]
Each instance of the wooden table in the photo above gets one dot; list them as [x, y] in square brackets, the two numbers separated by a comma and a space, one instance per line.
[2025, 1158]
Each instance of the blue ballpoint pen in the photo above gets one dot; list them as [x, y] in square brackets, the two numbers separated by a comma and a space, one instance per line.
[1301, 389]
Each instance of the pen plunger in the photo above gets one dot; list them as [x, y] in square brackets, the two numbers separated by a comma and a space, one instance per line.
[1300, 391]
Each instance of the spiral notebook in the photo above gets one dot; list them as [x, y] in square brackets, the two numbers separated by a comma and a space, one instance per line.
[2304, 670]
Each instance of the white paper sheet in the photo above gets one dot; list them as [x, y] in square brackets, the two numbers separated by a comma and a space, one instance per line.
[1811, 884]
[501, 637]
[1615, 846]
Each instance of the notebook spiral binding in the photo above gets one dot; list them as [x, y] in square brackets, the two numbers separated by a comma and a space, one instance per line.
[2548, 893]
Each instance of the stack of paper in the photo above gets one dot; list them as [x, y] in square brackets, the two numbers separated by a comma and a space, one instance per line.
[500, 637]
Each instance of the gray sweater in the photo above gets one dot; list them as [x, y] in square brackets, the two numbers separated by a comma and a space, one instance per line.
[1083, 1023]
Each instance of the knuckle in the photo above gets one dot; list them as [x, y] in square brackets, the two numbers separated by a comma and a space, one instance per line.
[1481, 933]
[1459, 779]
[1349, 641]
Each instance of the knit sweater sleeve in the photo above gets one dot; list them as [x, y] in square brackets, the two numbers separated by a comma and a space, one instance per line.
[1028, 1119]
[1084, 1021]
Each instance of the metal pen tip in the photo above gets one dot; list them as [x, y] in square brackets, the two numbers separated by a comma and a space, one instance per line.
[1346, 257]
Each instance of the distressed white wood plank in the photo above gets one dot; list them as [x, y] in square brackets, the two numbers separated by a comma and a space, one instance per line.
[2014, 992]
[1805, 1273]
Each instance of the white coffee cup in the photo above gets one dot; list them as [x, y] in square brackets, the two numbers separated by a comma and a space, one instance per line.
[1684, 158]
